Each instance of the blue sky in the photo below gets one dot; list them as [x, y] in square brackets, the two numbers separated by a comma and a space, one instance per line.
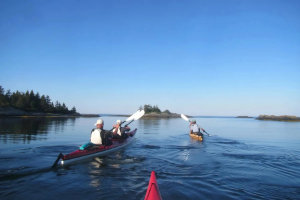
[234, 57]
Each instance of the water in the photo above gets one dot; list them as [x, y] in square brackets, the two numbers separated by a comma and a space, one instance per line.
[243, 159]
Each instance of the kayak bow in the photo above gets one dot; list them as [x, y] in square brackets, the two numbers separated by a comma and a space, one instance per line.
[153, 191]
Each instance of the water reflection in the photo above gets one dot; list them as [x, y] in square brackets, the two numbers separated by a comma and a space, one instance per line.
[24, 130]
[149, 124]
[153, 126]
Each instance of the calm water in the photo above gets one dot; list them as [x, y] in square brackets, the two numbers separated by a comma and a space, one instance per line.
[243, 159]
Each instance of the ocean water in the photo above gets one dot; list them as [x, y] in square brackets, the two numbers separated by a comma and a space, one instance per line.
[242, 159]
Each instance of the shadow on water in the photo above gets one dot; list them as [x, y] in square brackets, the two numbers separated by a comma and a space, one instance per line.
[24, 130]
[30, 161]
[148, 146]
[22, 172]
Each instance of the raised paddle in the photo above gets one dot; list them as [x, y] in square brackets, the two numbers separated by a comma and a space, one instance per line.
[188, 120]
[137, 115]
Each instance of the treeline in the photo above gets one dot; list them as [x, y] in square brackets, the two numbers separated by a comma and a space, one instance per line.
[32, 102]
[153, 109]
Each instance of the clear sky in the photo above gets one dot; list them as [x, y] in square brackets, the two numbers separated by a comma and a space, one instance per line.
[203, 57]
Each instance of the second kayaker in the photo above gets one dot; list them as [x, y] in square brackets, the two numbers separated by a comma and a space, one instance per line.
[195, 128]
[99, 135]
[118, 131]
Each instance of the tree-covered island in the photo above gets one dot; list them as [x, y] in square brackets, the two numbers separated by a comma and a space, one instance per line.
[30, 103]
[155, 112]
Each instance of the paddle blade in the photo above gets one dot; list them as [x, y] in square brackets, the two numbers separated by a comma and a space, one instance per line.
[184, 117]
[139, 115]
[132, 116]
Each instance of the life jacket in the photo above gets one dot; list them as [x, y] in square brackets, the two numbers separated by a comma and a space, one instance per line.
[195, 128]
[96, 136]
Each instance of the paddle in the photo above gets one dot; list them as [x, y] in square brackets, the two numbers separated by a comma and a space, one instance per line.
[188, 120]
[137, 115]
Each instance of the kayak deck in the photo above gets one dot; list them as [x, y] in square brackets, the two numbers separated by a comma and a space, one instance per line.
[100, 150]
[197, 137]
[153, 190]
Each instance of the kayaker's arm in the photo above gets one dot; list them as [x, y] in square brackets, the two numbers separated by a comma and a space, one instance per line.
[116, 128]
[205, 131]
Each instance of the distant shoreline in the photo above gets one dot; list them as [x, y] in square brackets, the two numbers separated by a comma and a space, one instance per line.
[14, 112]
[114, 115]
[287, 118]
[50, 115]
[161, 115]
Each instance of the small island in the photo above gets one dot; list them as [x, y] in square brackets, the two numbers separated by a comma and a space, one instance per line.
[243, 116]
[155, 112]
[289, 118]
[31, 104]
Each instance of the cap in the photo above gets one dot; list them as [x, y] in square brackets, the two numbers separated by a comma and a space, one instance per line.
[99, 121]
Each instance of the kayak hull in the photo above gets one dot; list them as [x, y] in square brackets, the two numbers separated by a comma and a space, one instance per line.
[196, 137]
[83, 155]
[153, 190]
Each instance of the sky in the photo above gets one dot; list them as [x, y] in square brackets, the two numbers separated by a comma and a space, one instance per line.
[203, 57]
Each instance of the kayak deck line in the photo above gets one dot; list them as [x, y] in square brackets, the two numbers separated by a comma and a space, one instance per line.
[80, 155]
[196, 137]
[153, 190]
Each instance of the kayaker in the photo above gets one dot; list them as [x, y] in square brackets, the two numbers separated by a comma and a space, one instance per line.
[99, 135]
[195, 128]
[118, 131]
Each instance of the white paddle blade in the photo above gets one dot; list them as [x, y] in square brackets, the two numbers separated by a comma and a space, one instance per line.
[132, 116]
[139, 115]
[184, 117]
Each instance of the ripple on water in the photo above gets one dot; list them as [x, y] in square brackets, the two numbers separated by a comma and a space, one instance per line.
[151, 146]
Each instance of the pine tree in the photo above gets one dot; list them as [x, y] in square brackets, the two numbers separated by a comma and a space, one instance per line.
[73, 110]
[3, 101]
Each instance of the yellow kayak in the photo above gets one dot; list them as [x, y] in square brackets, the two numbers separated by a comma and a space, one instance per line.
[196, 137]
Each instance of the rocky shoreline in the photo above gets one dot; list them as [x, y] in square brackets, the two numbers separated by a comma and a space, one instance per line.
[14, 112]
[279, 118]
[161, 115]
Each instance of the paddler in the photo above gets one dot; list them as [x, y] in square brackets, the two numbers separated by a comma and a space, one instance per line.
[118, 131]
[195, 128]
[99, 135]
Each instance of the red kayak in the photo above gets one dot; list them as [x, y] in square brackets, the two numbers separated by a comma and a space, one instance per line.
[80, 155]
[153, 191]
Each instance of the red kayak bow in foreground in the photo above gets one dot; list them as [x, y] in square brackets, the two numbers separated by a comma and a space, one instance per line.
[153, 191]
